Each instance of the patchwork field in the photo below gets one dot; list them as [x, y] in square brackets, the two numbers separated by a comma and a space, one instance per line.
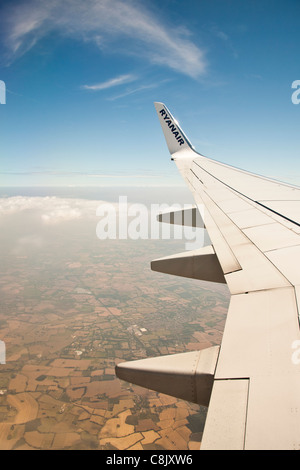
[72, 308]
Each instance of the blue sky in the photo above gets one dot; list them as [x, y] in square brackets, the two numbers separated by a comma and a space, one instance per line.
[82, 75]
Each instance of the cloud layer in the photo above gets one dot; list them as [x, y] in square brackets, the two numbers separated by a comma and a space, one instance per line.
[106, 23]
[51, 209]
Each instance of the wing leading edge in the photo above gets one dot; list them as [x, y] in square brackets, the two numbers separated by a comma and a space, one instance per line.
[252, 384]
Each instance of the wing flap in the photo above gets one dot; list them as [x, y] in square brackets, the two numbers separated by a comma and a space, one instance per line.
[273, 415]
[226, 417]
[258, 341]
[261, 326]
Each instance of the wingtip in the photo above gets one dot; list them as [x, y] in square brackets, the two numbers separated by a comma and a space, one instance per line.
[158, 104]
[175, 138]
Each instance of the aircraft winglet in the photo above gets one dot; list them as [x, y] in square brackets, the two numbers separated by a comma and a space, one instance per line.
[175, 137]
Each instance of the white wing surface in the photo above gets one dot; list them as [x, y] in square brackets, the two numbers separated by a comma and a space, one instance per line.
[251, 384]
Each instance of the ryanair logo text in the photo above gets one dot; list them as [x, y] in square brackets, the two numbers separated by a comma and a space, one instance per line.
[172, 127]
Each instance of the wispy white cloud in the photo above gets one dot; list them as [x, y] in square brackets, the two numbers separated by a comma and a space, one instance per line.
[105, 23]
[121, 80]
[135, 90]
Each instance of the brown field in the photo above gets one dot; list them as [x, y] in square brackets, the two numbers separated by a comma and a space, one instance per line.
[26, 406]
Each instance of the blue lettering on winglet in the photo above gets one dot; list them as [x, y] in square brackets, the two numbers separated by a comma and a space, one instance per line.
[172, 126]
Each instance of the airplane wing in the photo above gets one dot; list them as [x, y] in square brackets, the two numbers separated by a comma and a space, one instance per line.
[251, 383]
